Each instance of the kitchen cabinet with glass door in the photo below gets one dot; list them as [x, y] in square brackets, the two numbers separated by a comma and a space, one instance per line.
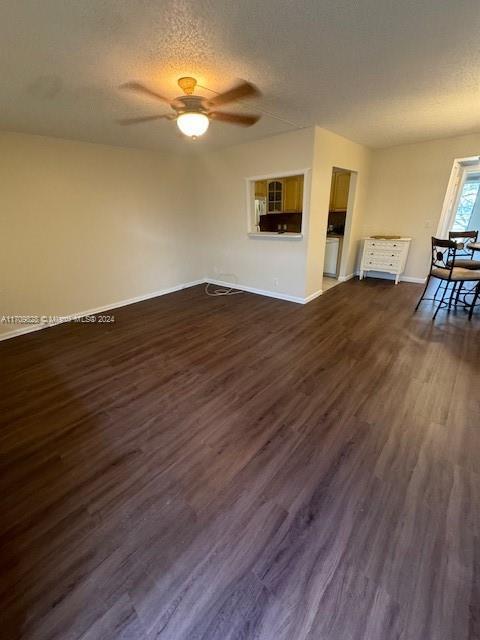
[275, 192]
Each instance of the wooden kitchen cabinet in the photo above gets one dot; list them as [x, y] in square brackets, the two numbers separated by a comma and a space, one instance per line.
[275, 195]
[339, 190]
[261, 189]
[293, 200]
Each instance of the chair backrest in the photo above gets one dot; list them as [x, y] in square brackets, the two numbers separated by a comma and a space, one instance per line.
[465, 237]
[443, 253]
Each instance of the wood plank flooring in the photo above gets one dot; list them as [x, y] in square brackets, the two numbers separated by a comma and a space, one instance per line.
[244, 468]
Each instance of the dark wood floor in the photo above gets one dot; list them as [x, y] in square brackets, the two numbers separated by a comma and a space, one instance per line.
[226, 468]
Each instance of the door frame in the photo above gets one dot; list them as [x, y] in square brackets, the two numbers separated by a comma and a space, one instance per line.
[347, 234]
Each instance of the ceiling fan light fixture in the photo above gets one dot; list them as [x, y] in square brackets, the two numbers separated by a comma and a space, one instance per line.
[193, 112]
[193, 124]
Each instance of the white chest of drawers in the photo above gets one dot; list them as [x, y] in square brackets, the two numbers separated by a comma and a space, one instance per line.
[388, 256]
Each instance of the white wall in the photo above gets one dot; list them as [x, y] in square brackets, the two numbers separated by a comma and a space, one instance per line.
[257, 262]
[406, 192]
[84, 225]
[331, 150]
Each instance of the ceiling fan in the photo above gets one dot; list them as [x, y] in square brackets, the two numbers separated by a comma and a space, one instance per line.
[193, 113]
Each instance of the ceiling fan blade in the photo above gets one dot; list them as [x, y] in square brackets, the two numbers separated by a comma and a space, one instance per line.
[138, 87]
[128, 121]
[242, 90]
[244, 120]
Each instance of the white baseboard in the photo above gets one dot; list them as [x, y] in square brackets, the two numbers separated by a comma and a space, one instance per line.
[260, 292]
[24, 329]
[389, 276]
[263, 292]
[90, 312]
[345, 278]
[412, 279]
[312, 296]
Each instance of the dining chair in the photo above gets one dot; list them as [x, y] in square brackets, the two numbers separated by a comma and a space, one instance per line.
[443, 267]
[466, 243]
[476, 296]
[465, 252]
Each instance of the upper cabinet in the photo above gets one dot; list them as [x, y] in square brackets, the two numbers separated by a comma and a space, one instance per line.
[339, 190]
[261, 189]
[293, 202]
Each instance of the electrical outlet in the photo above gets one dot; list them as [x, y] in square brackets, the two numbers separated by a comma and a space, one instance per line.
[275, 283]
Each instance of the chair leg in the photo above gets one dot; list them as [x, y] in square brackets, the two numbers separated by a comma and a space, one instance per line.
[457, 298]
[474, 301]
[424, 292]
[441, 301]
[436, 290]
[452, 294]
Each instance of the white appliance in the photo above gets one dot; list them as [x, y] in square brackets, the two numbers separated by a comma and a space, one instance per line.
[260, 206]
[331, 256]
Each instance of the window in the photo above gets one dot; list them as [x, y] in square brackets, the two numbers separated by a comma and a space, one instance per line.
[461, 206]
[276, 204]
[466, 204]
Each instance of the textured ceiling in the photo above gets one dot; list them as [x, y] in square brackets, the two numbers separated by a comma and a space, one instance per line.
[380, 72]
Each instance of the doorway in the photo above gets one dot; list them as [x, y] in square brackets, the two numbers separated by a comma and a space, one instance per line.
[338, 226]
